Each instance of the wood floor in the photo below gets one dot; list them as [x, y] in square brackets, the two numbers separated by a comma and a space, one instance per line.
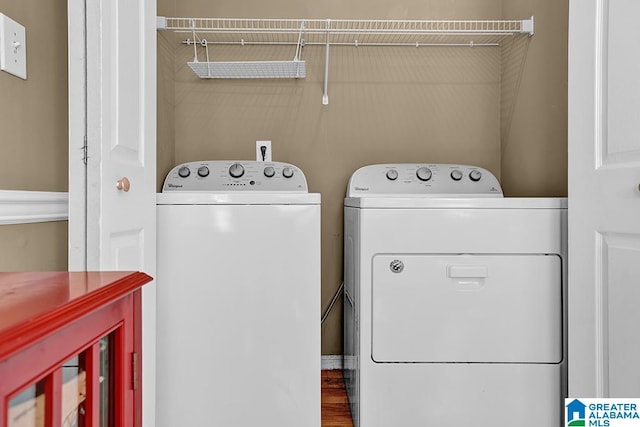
[335, 406]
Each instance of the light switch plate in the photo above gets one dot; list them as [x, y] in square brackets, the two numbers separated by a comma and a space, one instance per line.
[13, 47]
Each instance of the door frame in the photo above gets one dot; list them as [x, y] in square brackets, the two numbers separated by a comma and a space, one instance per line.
[77, 54]
[80, 254]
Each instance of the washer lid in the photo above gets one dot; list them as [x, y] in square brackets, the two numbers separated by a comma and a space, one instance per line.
[235, 176]
[423, 180]
[239, 198]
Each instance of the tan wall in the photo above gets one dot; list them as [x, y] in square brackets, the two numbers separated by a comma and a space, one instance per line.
[385, 105]
[34, 247]
[534, 149]
[166, 95]
[34, 141]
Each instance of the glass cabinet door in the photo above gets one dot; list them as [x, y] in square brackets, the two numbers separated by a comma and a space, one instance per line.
[27, 409]
[86, 384]
[106, 382]
[74, 392]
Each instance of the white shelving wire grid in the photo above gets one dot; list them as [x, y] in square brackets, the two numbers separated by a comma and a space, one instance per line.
[328, 32]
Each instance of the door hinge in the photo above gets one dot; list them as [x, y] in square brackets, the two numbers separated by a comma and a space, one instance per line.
[85, 151]
[134, 370]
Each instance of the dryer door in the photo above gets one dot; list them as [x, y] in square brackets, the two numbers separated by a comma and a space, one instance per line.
[467, 308]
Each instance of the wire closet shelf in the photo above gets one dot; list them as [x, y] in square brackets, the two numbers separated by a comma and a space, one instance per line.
[327, 32]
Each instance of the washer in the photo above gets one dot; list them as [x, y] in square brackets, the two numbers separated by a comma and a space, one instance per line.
[453, 300]
[238, 296]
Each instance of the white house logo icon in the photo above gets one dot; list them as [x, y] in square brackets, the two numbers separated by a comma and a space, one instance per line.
[576, 413]
[602, 412]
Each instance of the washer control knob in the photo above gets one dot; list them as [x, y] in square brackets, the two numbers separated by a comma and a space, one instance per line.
[392, 174]
[287, 172]
[236, 170]
[184, 172]
[424, 174]
[269, 171]
[203, 171]
[456, 175]
[475, 175]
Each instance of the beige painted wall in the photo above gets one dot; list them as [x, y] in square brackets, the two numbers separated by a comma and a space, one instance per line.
[534, 148]
[34, 140]
[166, 95]
[385, 105]
[34, 247]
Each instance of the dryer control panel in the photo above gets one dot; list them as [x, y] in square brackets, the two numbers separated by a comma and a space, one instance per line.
[423, 180]
[231, 175]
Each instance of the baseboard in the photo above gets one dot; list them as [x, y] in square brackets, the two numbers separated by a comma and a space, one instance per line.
[23, 207]
[331, 362]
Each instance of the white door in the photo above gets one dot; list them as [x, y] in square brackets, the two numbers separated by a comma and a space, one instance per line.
[604, 198]
[120, 60]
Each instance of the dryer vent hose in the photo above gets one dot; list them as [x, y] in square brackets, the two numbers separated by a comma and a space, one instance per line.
[332, 303]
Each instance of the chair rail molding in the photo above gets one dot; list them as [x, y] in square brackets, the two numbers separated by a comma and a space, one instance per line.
[23, 207]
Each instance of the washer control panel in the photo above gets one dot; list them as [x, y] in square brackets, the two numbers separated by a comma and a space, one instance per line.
[423, 179]
[232, 175]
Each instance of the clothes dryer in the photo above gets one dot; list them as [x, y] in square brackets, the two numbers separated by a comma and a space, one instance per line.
[238, 296]
[453, 300]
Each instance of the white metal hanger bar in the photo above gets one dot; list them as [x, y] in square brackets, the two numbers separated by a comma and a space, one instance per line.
[325, 92]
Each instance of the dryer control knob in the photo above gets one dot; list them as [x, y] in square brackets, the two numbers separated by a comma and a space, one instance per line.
[269, 171]
[203, 171]
[475, 175]
[424, 174]
[184, 172]
[287, 172]
[236, 170]
[456, 175]
[392, 174]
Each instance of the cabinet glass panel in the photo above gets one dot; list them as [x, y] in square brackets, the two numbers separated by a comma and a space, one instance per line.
[27, 408]
[74, 392]
[106, 378]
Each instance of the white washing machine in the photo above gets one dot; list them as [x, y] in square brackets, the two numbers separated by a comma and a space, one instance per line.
[238, 296]
[454, 297]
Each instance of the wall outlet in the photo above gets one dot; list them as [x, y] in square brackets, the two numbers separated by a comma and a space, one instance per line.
[13, 47]
[263, 151]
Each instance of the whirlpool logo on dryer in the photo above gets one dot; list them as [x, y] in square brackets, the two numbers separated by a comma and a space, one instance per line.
[361, 188]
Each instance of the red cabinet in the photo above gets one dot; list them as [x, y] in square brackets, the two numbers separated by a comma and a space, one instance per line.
[70, 349]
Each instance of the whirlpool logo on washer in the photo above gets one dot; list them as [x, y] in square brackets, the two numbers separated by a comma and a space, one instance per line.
[362, 188]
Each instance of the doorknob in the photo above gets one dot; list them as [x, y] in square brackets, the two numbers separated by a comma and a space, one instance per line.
[123, 184]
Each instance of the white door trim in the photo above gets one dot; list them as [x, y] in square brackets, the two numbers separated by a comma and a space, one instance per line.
[604, 171]
[77, 135]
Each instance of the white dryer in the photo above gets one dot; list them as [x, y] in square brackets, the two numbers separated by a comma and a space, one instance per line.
[238, 296]
[454, 297]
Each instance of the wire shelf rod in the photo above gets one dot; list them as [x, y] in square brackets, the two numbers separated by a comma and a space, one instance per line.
[373, 26]
[349, 44]
[359, 32]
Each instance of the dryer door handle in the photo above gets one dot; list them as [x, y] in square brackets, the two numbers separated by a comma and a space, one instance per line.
[467, 271]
